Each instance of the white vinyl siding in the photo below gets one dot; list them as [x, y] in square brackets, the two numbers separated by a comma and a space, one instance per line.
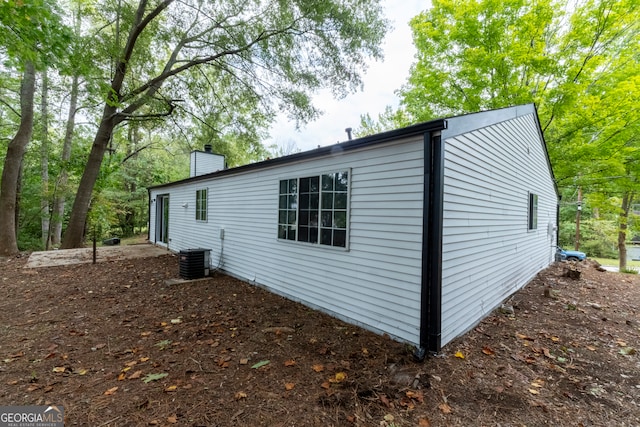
[489, 249]
[202, 163]
[493, 162]
[375, 283]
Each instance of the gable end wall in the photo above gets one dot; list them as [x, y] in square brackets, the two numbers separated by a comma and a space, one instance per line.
[488, 252]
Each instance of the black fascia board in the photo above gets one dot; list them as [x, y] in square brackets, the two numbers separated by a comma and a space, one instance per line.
[335, 149]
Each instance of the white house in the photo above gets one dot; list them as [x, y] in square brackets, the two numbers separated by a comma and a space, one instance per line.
[418, 232]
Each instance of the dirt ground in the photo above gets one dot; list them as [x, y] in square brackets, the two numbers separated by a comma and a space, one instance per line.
[116, 345]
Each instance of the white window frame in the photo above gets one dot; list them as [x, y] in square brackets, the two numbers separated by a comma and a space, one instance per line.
[532, 212]
[202, 206]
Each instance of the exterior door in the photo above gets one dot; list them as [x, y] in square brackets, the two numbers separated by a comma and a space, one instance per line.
[162, 219]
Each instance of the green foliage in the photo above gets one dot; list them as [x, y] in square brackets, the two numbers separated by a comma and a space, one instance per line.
[388, 120]
[32, 31]
[578, 62]
[199, 72]
[476, 55]
[629, 270]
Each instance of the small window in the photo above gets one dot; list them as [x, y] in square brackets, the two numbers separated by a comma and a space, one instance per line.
[201, 205]
[314, 210]
[533, 211]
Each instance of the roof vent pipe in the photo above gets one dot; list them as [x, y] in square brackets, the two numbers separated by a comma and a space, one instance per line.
[207, 148]
[348, 131]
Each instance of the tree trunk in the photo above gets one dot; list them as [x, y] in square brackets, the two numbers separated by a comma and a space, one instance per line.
[61, 186]
[13, 163]
[627, 199]
[44, 161]
[74, 234]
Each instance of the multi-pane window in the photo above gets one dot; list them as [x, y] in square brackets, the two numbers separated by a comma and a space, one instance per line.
[533, 211]
[314, 209]
[288, 209]
[201, 205]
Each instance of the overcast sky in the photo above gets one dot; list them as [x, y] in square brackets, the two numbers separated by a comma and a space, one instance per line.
[381, 80]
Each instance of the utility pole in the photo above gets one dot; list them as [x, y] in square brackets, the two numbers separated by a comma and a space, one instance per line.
[578, 212]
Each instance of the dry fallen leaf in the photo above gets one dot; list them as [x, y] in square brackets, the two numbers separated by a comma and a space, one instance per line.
[143, 359]
[415, 395]
[122, 376]
[171, 388]
[488, 351]
[338, 378]
[172, 419]
[289, 386]
[59, 369]
[290, 363]
[445, 408]
[325, 385]
[524, 337]
[539, 383]
[130, 364]
[459, 355]
[135, 375]
[318, 368]
[110, 391]
[244, 361]
[14, 382]
[424, 422]
[534, 391]
[385, 401]
[145, 334]
[240, 395]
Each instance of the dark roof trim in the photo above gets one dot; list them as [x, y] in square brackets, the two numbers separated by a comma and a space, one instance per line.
[367, 141]
[546, 152]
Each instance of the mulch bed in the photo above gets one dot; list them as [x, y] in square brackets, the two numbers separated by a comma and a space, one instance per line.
[116, 345]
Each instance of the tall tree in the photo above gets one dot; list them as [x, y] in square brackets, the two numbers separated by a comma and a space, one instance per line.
[578, 62]
[44, 160]
[30, 35]
[13, 164]
[279, 51]
[80, 64]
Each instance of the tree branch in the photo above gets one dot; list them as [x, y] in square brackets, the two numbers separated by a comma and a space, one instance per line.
[154, 84]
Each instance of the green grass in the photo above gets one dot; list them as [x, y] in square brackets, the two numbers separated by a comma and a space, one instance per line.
[615, 262]
[134, 240]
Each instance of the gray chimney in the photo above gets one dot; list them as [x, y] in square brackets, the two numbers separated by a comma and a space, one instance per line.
[207, 148]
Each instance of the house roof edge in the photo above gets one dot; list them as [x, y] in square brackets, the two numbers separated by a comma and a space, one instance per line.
[367, 141]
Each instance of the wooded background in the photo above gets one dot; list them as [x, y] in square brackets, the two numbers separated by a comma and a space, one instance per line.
[100, 99]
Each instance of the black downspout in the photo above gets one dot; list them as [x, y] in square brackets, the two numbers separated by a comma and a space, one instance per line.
[558, 222]
[149, 215]
[431, 286]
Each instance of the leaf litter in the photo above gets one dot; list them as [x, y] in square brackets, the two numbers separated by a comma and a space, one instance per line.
[177, 349]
